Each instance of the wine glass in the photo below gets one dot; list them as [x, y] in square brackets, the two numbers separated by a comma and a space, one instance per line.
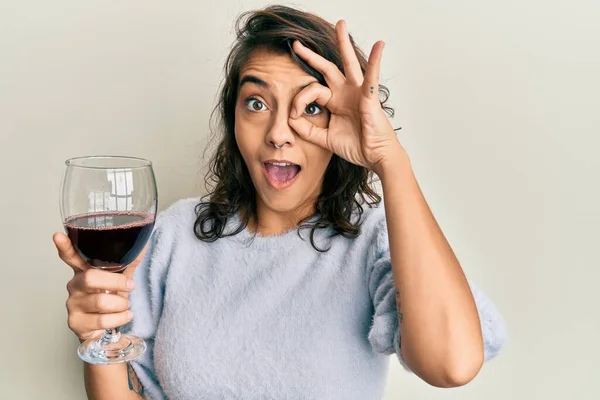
[108, 207]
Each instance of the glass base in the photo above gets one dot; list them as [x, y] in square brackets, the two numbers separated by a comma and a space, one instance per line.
[111, 349]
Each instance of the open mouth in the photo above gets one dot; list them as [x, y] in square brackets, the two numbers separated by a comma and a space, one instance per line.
[281, 173]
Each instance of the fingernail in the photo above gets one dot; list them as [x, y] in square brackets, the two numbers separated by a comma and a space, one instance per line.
[129, 315]
[130, 284]
[294, 113]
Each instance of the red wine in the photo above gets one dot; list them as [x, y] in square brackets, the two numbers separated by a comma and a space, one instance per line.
[110, 240]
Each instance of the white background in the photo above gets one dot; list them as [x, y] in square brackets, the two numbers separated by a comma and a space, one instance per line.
[498, 104]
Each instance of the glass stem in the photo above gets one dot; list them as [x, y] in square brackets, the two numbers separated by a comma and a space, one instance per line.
[111, 335]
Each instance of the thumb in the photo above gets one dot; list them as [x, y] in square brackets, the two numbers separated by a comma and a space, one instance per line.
[67, 252]
[309, 132]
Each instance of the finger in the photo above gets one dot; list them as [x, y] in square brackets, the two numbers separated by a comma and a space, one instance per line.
[352, 69]
[82, 322]
[309, 132]
[313, 93]
[67, 252]
[93, 280]
[332, 74]
[98, 303]
[371, 84]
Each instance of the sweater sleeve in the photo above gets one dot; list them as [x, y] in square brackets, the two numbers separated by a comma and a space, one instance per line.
[384, 334]
[147, 303]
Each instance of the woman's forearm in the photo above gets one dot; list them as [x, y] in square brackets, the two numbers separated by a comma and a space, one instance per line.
[109, 382]
[439, 325]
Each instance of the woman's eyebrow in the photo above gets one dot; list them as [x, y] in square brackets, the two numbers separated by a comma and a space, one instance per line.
[253, 79]
[265, 85]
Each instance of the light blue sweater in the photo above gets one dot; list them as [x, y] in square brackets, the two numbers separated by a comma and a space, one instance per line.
[270, 317]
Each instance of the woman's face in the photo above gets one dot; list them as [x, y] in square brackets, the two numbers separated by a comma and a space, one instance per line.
[287, 179]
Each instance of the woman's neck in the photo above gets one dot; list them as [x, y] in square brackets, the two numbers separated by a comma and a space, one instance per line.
[269, 222]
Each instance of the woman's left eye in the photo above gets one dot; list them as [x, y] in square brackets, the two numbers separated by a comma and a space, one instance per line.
[313, 109]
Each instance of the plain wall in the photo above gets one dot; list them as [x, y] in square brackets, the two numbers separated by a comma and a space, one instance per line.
[498, 104]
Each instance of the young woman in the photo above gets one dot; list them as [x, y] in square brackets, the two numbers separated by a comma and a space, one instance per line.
[291, 279]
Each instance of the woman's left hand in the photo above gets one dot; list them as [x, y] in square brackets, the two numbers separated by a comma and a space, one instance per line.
[359, 130]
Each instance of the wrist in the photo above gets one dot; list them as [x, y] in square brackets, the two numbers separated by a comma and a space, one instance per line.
[393, 161]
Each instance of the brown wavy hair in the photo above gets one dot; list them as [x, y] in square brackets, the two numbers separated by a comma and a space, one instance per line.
[230, 190]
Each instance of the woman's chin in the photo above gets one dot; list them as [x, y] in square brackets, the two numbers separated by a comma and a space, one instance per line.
[280, 202]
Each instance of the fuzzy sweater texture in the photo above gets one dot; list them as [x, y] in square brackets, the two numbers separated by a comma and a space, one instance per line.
[268, 317]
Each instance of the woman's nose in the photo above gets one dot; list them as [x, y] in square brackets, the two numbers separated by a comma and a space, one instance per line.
[281, 133]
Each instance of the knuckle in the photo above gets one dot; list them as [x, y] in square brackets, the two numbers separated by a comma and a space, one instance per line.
[70, 286]
[316, 87]
[69, 304]
[329, 67]
[68, 256]
[300, 103]
[117, 302]
[101, 321]
[104, 302]
[72, 322]
[99, 302]
[62, 252]
[105, 321]
[90, 278]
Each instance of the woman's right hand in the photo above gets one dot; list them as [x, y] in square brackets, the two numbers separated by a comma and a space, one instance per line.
[90, 309]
